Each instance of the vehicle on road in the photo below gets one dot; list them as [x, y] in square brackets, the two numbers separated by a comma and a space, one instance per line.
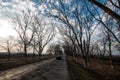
[58, 57]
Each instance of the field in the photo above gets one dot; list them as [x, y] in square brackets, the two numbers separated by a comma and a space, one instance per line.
[18, 60]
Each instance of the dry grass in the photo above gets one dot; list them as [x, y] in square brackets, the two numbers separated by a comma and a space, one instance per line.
[102, 69]
[15, 62]
[77, 72]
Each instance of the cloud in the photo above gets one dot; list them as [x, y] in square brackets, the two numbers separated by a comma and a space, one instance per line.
[96, 34]
[13, 7]
[68, 1]
[5, 3]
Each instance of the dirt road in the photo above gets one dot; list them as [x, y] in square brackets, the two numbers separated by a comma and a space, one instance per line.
[54, 70]
[46, 70]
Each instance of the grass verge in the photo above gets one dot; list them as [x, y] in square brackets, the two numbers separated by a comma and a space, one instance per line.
[77, 72]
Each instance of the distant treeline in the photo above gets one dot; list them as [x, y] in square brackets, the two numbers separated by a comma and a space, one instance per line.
[16, 55]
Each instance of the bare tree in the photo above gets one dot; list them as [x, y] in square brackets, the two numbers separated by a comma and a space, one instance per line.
[110, 51]
[44, 33]
[8, 45]
[50, 49]
[108, 10]
[103, 43]
[110, 41]
[71, 16]
[100, 19]
[57, 50]
[33, 44]
[69, 39]
[96, 50]
[25, 30]
[19, 45]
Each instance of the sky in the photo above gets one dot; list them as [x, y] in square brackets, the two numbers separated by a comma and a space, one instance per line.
[6, 29]
[12, 7]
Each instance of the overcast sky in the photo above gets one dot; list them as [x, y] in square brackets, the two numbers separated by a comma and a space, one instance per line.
[10, 7]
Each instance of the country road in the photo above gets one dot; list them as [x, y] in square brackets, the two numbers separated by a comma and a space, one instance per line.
[51, 69]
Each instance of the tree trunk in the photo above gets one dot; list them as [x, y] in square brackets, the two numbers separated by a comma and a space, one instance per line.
[85, 62]
[39, 56]
[8, 55]
[110, 53]
[25, 52]
[106, 9]
[33, 53]
[39, 53]
[111, 60]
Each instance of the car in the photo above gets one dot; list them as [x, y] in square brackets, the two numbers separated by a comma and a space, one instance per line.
[59, 57]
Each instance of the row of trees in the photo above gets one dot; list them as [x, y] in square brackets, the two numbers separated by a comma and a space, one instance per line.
[34, 33]
[80, 18]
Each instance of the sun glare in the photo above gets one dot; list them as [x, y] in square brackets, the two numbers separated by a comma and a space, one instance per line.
[6, 29]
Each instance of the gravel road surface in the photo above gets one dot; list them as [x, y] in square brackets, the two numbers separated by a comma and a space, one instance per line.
[51, 69]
